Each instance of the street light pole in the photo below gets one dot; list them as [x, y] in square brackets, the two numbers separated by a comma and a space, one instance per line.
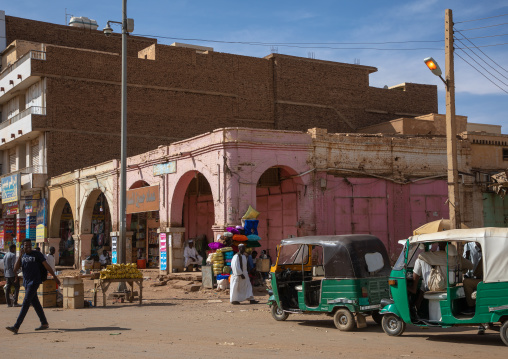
[451, 127]
[123, 169]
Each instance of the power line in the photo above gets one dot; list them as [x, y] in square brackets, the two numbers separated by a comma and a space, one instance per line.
[484, 27]
[480, 72]
[483, 37]
[485, 18]
[491, 74]
[485, 55]
[474, 53]
[253, 43]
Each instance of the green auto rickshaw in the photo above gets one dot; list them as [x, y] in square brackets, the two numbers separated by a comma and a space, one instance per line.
[478, 299]
[344, 276]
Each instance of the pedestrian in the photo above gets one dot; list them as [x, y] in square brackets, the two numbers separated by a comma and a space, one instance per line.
[31, 261]
[10, 277]
[240, 289]
[50, 258]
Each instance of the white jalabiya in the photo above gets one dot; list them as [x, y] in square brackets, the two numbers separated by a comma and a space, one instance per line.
[191, 252]
[240, 289]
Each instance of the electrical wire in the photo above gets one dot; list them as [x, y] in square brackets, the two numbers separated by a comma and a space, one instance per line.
[482, 37]
[485, 55]
[484, 18]
[481, 73]
[492, 45]
[293, 43]
[292, 46]
[484, 27]
[490, 73]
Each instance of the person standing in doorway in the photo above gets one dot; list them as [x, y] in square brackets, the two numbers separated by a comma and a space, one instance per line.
[50, 258]
[241, 289]
[10, 277]
[31, 261]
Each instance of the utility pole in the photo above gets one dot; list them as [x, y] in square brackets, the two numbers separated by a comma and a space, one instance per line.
[123, 160]
[451, 127]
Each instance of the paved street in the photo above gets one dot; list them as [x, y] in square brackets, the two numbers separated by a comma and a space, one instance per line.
[173, 324]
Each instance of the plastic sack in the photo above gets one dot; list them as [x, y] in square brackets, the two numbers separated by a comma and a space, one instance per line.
[222, 284]
[215, 245]
[253, 237]
[251, 226]
[239, 238]
[233, 230]
[251, 213]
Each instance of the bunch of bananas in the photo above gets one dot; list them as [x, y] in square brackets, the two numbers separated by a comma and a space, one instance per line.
[121, 271]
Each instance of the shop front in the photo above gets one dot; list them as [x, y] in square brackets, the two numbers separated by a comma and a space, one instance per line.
[143, 222]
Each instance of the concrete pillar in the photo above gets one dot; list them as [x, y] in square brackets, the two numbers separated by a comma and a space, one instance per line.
[174, 248]
[82, 248]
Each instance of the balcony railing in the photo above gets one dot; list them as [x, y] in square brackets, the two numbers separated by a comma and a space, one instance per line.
[33, 54]
[28, 170]
[33, 110]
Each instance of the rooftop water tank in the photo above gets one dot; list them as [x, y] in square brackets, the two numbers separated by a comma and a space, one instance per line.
[83, 22]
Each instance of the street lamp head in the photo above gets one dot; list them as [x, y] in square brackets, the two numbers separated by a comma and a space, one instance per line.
[433, 66]
[108, 30]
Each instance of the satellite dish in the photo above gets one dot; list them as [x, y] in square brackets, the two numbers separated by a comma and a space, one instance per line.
[385, 87]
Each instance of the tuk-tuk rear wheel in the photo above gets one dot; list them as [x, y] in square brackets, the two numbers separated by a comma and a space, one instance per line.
[504, 332]
[278, 314]
[393, 325]
[344, 320]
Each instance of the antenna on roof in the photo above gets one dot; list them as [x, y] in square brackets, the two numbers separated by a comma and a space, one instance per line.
[274, 49]
[311, 55]
[357, 61]
[66, 14]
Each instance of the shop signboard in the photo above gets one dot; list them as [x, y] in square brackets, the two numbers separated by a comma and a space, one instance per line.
[11, 208]
[31, 227]
[164, 168]
[163, 252]
[20, 229]
[8, 229]
[114, 258]
[41, 220]
[144, 199]
[11, 188]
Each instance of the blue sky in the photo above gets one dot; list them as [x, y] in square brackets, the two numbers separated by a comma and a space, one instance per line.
[281, 21]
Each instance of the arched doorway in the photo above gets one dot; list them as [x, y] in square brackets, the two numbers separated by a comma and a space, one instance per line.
[277, 202]
[198, 210]
[62, 227]
[96, 226]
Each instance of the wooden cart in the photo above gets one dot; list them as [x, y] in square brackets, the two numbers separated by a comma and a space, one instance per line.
[105, 283]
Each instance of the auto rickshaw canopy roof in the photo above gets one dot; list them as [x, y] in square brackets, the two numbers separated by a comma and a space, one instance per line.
[344, 256]
[494, 243]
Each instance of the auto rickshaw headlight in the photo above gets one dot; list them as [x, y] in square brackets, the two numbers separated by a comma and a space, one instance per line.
[392, 282]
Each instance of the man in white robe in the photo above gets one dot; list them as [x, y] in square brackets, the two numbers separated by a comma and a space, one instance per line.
[191, 256]
[240, 287]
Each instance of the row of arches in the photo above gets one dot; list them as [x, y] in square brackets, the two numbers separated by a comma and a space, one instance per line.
[192, 206]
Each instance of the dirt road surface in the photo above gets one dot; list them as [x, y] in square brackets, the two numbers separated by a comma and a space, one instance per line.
[175, 323]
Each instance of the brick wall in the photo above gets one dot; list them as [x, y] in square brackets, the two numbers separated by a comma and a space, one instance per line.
[176, 93]
[24, 29]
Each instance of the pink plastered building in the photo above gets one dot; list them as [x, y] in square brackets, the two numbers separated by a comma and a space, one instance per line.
[302, 183]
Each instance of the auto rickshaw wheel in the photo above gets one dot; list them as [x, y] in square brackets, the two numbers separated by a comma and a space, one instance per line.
[278, 314]
[377, 317]
[393, 325]
[344, 320]
[504, 332]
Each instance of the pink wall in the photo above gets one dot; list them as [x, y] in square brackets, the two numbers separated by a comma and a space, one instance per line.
[198, 216]
[385, 209]
[278, 207]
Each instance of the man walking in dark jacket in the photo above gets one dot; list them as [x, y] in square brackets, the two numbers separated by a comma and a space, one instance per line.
[10, 278]
[30, 261]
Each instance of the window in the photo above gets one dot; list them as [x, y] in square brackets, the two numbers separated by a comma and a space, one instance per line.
[12, 161]
[294, 254]
[505, 154]
[34, 153]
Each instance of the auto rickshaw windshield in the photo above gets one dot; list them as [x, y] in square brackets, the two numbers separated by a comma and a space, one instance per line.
[294, 254]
